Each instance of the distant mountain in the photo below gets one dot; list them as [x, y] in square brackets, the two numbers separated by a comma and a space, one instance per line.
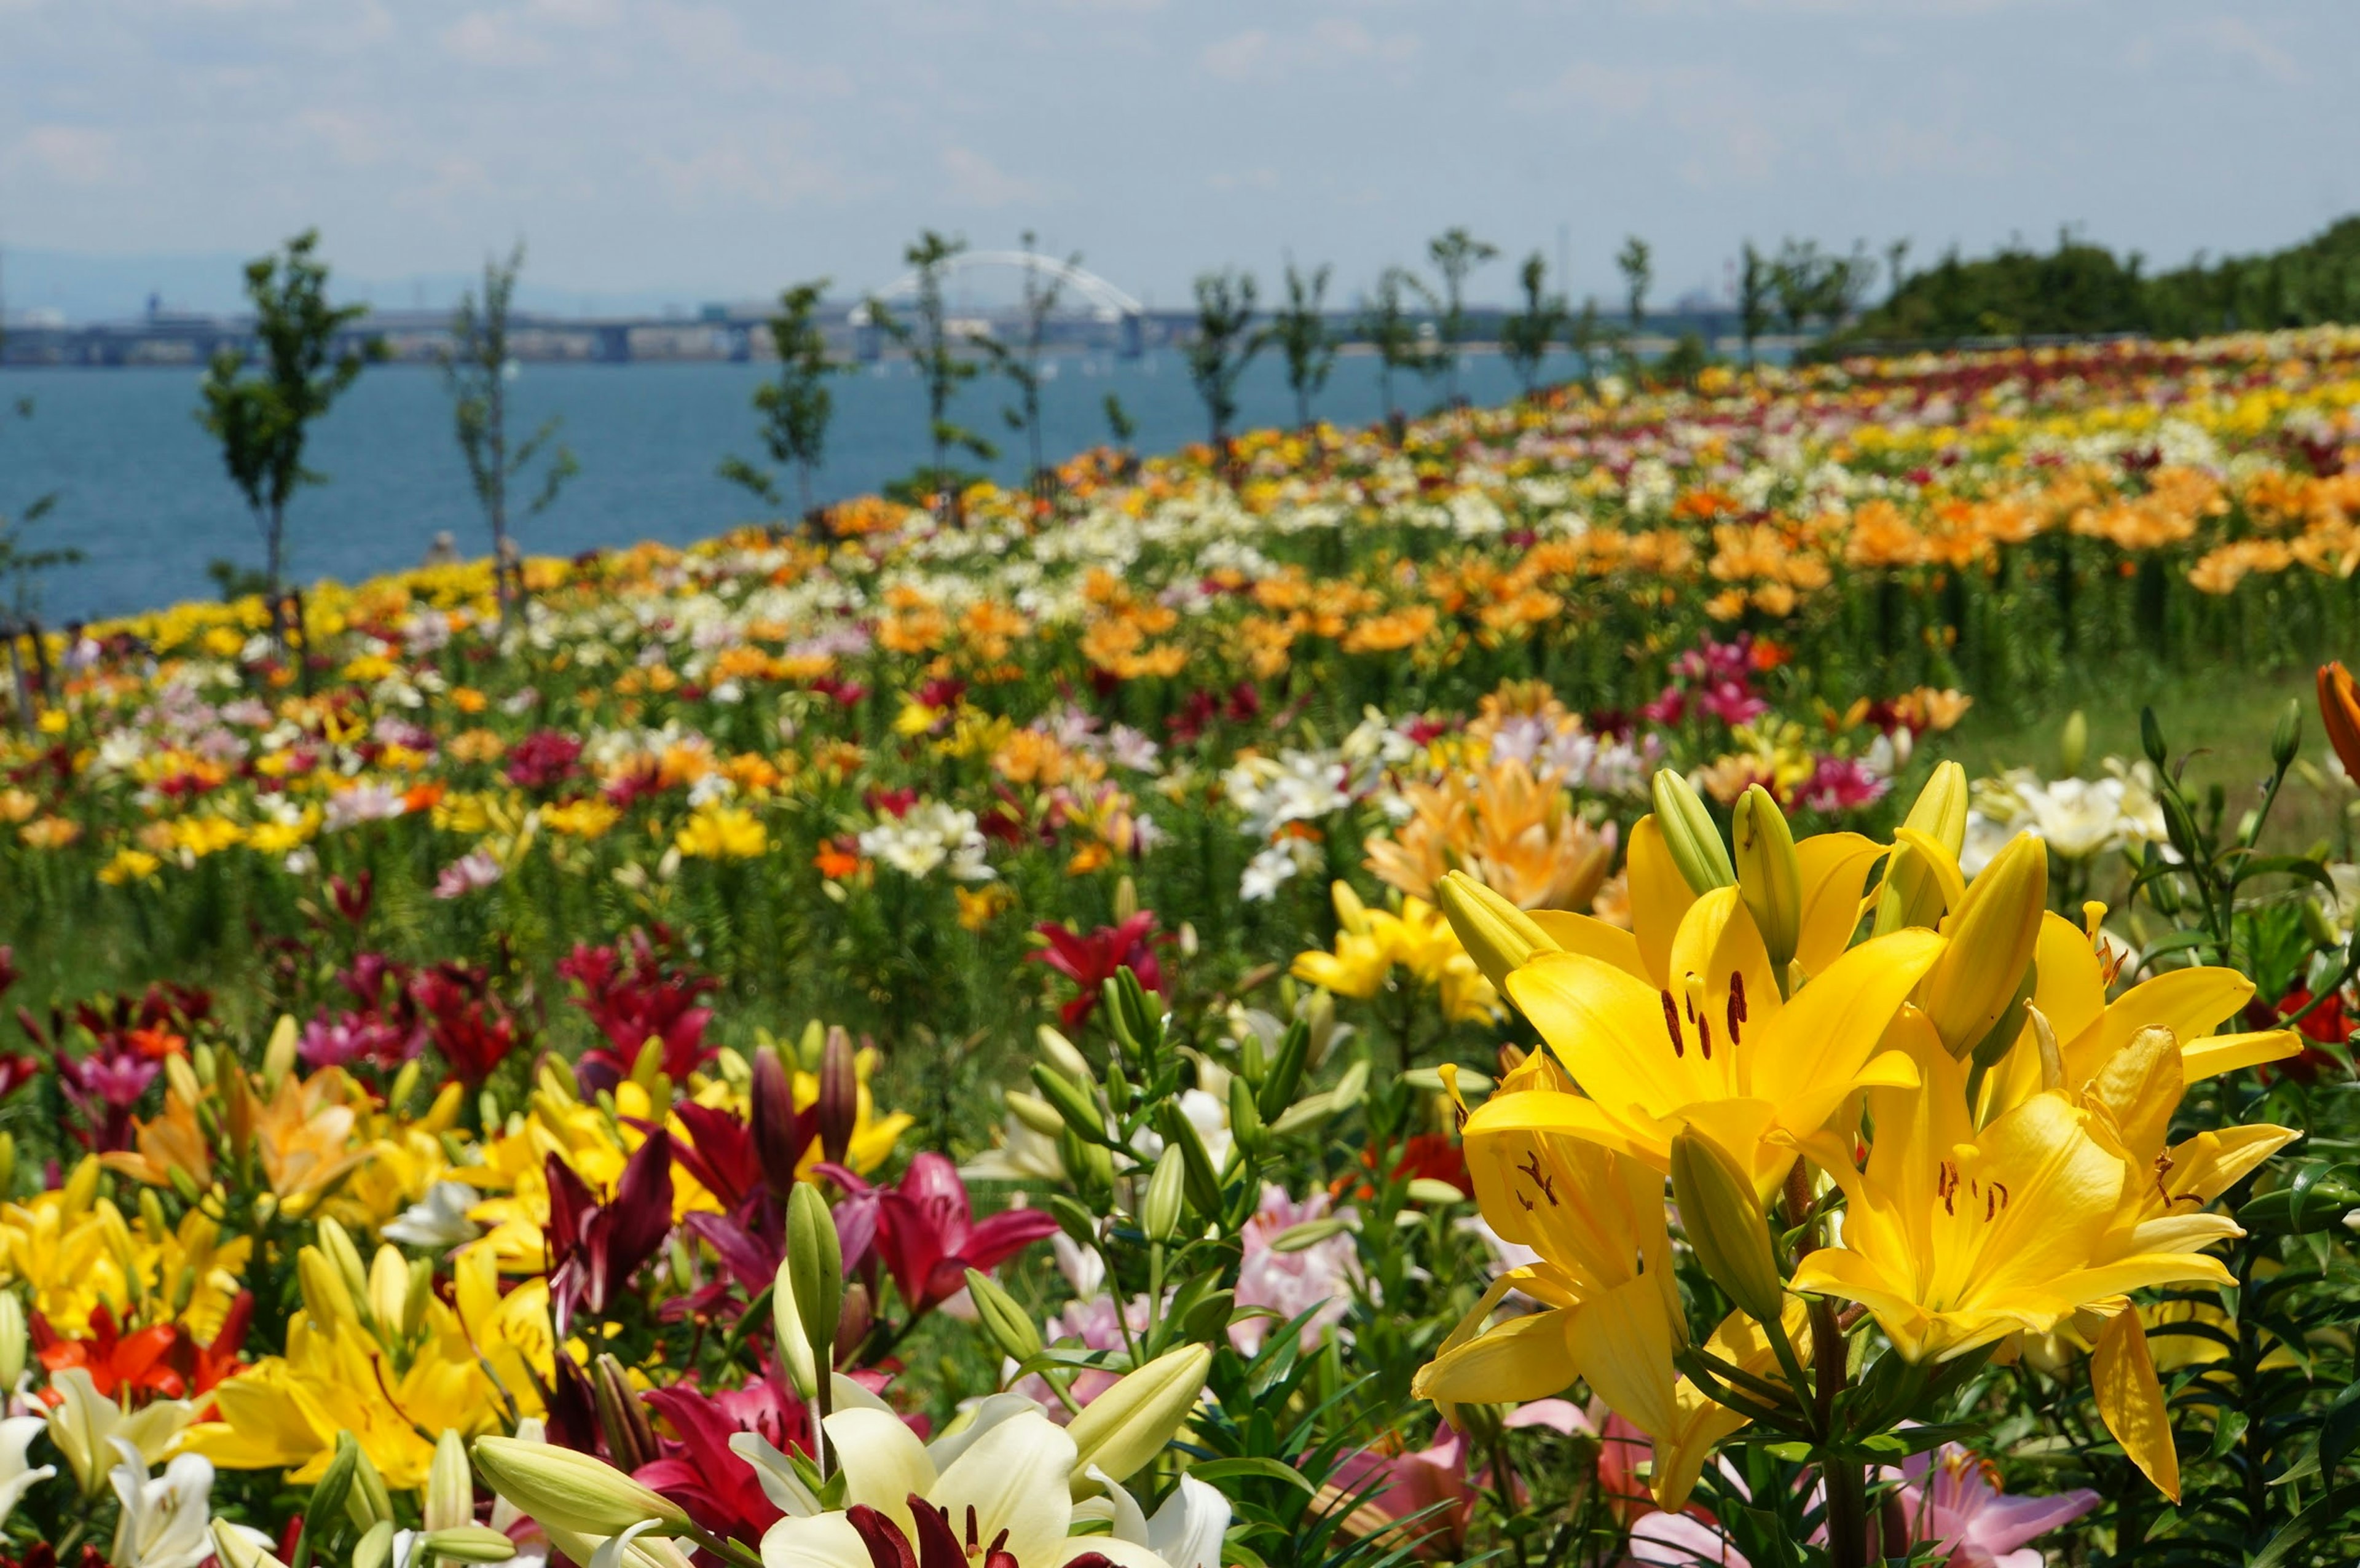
[47, 284]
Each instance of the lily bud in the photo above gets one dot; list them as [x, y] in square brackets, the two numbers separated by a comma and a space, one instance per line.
[1010, 1328]
[1159, 1210]
[1081, 1113]
[1129, 1425]
[1202, 1182]
[278, 1056]
[815, 1255]
[1726, 1227]
[325, 1299]
[2073, 744]
[1035, 1112]
[1276, 1091]
[1245, 1117]
[450, 1484]
[839, 1095]
[329, 1492]
[1499, 937]
[631, 1435]
[772, 1123]
[570, 1490]
[1912, 894]
[236, 1552]
[464, 1543]
[1992, 935]
[1063, 1054]
[1689, 834]
[13, 1342]
[797, 1357]
[2151, 731]
[374, 1549]
[405, 1085]
[2286, 736]
[368, 1504]
[853, 1323]
[1769, 877]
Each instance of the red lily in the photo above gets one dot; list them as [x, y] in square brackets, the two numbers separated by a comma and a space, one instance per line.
[925, 1232]
[1089, 961]
[635, 993]
[594, 1247]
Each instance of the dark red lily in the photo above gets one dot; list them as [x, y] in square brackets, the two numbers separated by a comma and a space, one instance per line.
[940, 1543]
[635, 992]
[594, 1247]
[1089, 961]
[925, 1232]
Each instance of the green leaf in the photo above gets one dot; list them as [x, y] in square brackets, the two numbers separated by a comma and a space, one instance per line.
[1267, 1469]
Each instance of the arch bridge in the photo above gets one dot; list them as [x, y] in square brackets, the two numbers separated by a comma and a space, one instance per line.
[1100, 300]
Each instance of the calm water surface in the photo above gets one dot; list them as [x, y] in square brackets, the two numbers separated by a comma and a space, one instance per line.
[143, 493]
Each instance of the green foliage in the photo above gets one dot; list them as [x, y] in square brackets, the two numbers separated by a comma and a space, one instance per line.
[263, 421]
[795, 407]
[21, 565]
[1299, 328]
[942, 369]
[1388, 326]
[2083, 287]
[1224, 345]
[1527, 334]
[1456, 253]
[477, 370]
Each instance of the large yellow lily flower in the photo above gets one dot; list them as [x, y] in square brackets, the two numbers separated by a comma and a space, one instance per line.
[388, 1363]
[1712, 1045]
[1368, 943]
[1609, 1307]
[2091, 1032]
[1954, 1237]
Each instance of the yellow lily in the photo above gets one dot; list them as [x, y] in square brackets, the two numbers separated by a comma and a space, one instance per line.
[1700, 1421]
[2090, 1031]
[1713, 1045]
[1955, 1237]
[1610, 1309]
[1420, 938]
[385, 1361]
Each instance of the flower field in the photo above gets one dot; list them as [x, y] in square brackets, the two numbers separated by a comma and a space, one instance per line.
[1341, 1002]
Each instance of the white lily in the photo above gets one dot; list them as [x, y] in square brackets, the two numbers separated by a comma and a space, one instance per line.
[16, 1477]
[997, 1493]
[85, 1424]
[164, 1518]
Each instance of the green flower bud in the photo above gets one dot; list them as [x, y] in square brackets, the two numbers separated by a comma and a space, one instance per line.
[1160, 1208]
[1992, 935]
[2073, 744]
[1499, 937]
[465, 1543]
[1725, 1226]
[570, 1490]
[1689, 834]
[1129, 1425]
[14, 1339]
[815, 1255]
[2286, 736]
[1769, 877]
[2151, 737]
[450, 1484]
[1081, 1111]
[1006, 1323]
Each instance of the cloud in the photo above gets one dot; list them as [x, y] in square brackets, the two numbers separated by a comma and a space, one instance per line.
[1331, 42]
[68, 155]
[492, 38]
[1243, 179]
[973, 180]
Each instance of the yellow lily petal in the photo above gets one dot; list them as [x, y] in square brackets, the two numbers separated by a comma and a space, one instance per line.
[2187, 1002]
[2130, 1400]
[1834, 867]
[1587, 934]
[1623, 1343]
[2219, 1053]
[1659, 898]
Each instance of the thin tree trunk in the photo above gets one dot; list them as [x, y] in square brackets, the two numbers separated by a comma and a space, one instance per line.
[41, 658]
[24, 695]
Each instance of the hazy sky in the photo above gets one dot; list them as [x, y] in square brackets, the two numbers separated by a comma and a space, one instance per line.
[719, 149]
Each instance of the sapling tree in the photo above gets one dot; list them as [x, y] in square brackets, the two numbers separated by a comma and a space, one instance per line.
[934, 348]
[1636, 262]
[795, 407]
[23, 566]
[1224, 345]
[1389, 327]
[1299, 328]
[262, 420]
[1456, 253]
[1756, 275]
[477, 370]
[1021, 361]
[1122, 430]
[1525, 334]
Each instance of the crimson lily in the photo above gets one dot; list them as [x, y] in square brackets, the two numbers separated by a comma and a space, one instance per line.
[924, 1231]
[1089, 961]
[594, 1247]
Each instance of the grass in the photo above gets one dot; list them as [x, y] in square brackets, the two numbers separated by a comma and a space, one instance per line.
[2220, 722]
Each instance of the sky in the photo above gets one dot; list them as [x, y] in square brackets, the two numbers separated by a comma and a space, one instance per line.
[702, 149]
